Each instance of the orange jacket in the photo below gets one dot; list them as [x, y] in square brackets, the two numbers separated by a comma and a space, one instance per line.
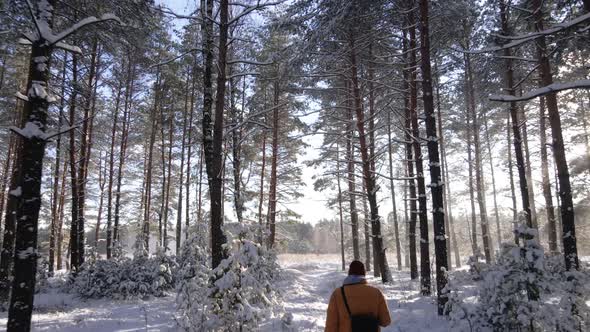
[362, 300]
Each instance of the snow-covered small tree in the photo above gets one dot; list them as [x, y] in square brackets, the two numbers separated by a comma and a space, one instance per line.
[234, 296]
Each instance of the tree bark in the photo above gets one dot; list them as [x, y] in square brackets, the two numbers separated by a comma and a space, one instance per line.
[340, 214]
[213, 135]
[491, 160]
[28, 190]
[479, 185]
[527, 159]
[549, 209]
[411, 184]
[354, 220]
[272, 195]
[369, 178]
[509, 77]
[425, 281]
[570, 247]
[436, 181]
[109, 240]
[74, 230]
[392, 188]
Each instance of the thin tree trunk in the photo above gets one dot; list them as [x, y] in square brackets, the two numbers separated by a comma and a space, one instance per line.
[74, 233]
[551, 223]
[366, 221]
[570, 247]
[443, 168]
[436, 181]
[491, 160]
[262, 174]
[392, 188]
[371, 75]
[524, 191]
[354, 219]
[479, 185]
[56, 174]
[189, 152]
[527, 159]
[126, 122]
[61, 206]
[111, 173]
[474, 246]
[181, 174]
[272, 195]
[425, 281]
[411, 184]
[511, 175]
[148, 185]
[101, 184]
[369, 178]
[340, 214]
[85, 142]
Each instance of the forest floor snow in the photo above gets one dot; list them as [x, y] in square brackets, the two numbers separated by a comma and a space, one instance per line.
[306, 287]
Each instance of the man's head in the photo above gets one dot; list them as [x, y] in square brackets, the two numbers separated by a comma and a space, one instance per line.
[357, 268]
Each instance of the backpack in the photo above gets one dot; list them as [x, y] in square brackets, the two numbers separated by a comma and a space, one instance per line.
[360, 323]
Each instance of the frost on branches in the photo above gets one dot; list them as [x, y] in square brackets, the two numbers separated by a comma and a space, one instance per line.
[236, 295]
[523, 291]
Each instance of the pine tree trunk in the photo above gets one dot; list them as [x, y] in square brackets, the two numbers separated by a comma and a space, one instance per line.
[109, 240]
[74, 233]
[436, 181]
[181, 174]
[570, 247]
[369, 178]
[262, 174]
[60, 209]
[272, 195]
[479, 185]
[101, 185]
[411, 184]
[213, 135]
[392, 188]
[28, 190]
[340, 214]
[527, 159]
[354, 220]
[425, 281]
[371, 75]
[491, 160]
[474, 246]
[150, 160]
[367, 236]
[125, 123]
[551, 223]
[56, 173]
[511, 175]
[448, 216]
[189, 152]
[85, 141]
[524, 191]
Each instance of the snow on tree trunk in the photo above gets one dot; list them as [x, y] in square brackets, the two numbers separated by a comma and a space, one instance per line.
[436, 182]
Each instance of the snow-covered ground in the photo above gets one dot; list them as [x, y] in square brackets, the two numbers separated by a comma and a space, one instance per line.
[308, 282]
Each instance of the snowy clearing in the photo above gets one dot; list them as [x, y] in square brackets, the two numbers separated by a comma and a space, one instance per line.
[307, 285]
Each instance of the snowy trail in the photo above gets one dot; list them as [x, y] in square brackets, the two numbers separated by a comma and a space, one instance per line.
[306, 287]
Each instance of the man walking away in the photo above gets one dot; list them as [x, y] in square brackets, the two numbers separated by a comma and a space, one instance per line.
[356, 306]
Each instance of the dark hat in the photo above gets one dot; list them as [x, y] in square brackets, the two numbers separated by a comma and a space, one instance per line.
[357, 268]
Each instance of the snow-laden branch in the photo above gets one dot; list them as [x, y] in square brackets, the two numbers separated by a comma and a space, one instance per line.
[68, 47]
[555, 87]
[181, 55]
[249, 62]
[525, 38]
[81, 24]
[250, 9]
[43, 16]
